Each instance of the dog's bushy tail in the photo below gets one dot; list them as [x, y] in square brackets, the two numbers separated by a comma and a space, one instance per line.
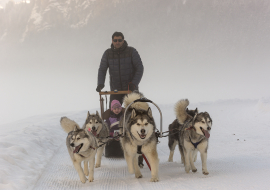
[134, 96]
[68, 125]
[180, 110]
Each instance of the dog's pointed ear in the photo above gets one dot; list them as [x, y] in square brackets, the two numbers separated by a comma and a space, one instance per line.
[149, 112]
[88, 114]
[133, 113]
[97, 113]
[76, 128]
[196, 111]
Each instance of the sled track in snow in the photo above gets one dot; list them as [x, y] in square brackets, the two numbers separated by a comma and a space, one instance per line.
[61, 175]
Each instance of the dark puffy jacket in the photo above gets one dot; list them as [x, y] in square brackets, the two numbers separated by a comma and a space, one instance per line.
[125, 66]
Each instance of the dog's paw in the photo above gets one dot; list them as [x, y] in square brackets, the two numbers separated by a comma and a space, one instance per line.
[187, 169]
[205, 172]
[83, 180]
[138, 175]
[194, 170]
[97, 165]
[154, 179]
[141, 165]
[170, 160]
[91, 179]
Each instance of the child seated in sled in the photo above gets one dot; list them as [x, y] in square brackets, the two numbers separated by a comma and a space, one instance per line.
[113, 117]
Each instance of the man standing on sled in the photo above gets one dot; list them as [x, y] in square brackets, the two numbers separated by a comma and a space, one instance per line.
[125, 67]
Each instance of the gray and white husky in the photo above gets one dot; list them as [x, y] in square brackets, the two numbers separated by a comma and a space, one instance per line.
[81, 146]
[100, 130]
[174, 129]
[193, 135]
[139, 134]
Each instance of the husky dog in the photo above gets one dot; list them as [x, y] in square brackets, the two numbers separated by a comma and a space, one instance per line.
[174, 129]
[81, 147]
[139, 136]
[193, 135]
[100, 130]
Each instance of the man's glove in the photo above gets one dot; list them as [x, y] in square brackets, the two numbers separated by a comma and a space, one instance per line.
[132, 87]
[100, 87]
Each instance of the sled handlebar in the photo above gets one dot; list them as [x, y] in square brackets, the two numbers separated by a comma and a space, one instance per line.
[114, 92]
[142, 100]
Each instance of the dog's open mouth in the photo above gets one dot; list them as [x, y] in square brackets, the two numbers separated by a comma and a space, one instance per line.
[142, 136]
[94, 132]
[205, 132]
[78, 148]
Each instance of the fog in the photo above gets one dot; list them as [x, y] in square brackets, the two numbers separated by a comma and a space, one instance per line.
[200, 50]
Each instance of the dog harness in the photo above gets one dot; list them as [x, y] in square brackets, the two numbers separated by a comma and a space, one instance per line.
[189, 128]
[195, 144]
[88, 148]
[139, 149]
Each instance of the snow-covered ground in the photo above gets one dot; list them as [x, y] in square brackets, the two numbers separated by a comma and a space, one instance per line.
[33, 154]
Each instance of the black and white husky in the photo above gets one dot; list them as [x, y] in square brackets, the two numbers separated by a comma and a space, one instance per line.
[139, 136]
[100, 130]
[193, 135]
[174, 129]
[81, 146]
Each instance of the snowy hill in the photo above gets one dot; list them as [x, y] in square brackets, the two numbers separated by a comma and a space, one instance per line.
[33, 153]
